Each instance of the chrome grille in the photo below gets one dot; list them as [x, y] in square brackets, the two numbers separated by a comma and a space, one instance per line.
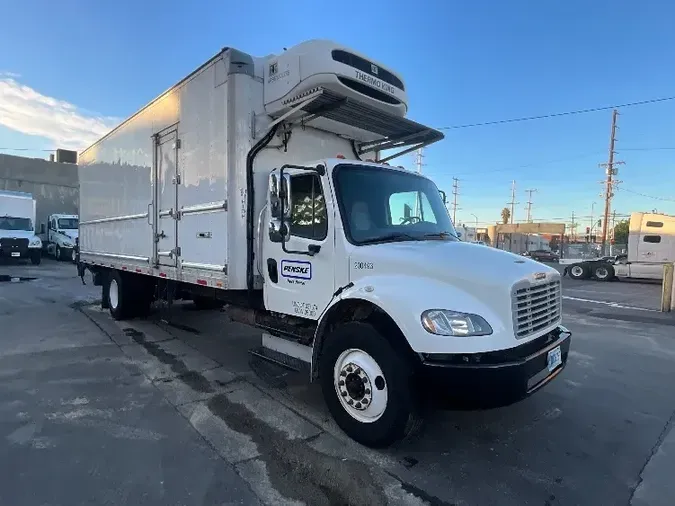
[536, 307]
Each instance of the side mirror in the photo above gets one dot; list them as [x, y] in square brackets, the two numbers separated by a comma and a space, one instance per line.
[278, 231]
[274, 196]
[285, 194]
[42, 228]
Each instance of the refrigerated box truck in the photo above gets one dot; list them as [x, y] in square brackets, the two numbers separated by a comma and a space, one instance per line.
[17, 227]
[264, 183]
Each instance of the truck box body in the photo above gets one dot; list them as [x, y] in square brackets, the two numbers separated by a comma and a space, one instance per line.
[214, 113]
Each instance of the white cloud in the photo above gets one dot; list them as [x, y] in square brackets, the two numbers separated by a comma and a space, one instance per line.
[27, 111]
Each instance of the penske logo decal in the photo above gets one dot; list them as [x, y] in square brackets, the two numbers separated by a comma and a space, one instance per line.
[296, 269]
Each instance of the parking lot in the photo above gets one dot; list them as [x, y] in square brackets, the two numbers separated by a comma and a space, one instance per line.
[174, 410]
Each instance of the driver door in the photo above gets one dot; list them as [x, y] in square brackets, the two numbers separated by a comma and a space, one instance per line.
[298, 267]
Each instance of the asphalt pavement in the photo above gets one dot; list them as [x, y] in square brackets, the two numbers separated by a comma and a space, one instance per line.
[174, 410]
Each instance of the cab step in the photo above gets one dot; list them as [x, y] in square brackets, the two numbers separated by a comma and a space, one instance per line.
[285, 353]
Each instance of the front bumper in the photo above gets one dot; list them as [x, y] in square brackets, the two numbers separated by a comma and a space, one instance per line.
[497, 378]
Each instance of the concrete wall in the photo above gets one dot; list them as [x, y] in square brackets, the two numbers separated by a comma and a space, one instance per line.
[53, 185]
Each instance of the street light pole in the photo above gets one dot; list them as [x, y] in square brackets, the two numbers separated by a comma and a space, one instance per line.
[475, 230]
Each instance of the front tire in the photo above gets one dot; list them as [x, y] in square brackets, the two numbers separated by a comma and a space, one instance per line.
[367, 385]
[36, 257]
[57, 253]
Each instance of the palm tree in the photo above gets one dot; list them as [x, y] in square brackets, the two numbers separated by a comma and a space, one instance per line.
[506, 215]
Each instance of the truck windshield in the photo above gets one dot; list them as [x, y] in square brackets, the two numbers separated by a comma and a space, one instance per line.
[68, 223]
[14, 223]
[386, 205]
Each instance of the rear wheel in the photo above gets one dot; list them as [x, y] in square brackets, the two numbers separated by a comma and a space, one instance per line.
[579, 271]
[603, 272]
[367, 385]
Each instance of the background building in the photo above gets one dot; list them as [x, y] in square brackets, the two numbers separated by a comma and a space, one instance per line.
[53, 184]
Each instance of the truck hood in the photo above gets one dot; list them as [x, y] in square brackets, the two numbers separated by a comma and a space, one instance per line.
[482, 273]
[17, 234]
[72, 234]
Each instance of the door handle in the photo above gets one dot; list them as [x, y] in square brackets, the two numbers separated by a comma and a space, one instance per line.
[149, 206]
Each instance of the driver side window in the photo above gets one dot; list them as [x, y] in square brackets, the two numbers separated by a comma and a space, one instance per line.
[410, 207]
[308, 208]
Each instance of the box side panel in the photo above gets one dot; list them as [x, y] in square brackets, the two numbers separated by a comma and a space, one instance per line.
[116, 183]
[202, 195]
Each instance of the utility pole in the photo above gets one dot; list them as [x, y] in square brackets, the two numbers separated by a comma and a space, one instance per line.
[513, 200]
[573, 228]
[455, 194]
[419, 156]
[529, 204]
[609, 181]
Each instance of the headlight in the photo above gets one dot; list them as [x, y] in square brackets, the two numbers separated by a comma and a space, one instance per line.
[444, 322]
[67, 244]
[35, 242]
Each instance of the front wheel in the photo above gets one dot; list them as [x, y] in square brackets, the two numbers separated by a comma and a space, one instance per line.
[36, 257]
[367, 385]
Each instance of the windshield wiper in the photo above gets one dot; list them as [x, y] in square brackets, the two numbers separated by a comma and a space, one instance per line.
[441, 235]
[398, 236]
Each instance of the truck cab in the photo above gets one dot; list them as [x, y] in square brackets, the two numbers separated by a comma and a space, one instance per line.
[60, 236]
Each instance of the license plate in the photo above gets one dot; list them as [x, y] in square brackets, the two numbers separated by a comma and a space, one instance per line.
[16, 254]
[554, 358]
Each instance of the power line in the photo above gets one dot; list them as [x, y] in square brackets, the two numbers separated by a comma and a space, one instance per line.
[557, 114]
[27, 149]
[666, 199]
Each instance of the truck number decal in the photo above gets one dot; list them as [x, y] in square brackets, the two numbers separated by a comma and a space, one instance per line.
[296, 269]
[363, 265]
[305, 309]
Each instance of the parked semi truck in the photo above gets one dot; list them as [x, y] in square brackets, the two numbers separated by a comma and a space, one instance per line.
[265, 184]
[651, 244]
[59, 236]
[17, 227]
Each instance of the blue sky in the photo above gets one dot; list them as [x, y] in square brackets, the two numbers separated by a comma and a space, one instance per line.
[79, 66]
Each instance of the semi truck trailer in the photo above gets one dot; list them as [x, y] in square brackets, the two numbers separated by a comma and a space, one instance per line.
[264, 183]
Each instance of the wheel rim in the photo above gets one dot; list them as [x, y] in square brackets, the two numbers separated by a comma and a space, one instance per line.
[360, 385]
[577, 271]
[601, 273]
[114, 294]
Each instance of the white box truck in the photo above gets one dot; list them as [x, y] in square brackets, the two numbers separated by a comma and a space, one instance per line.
[263, 183]
[651, 245]
[17, 227]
